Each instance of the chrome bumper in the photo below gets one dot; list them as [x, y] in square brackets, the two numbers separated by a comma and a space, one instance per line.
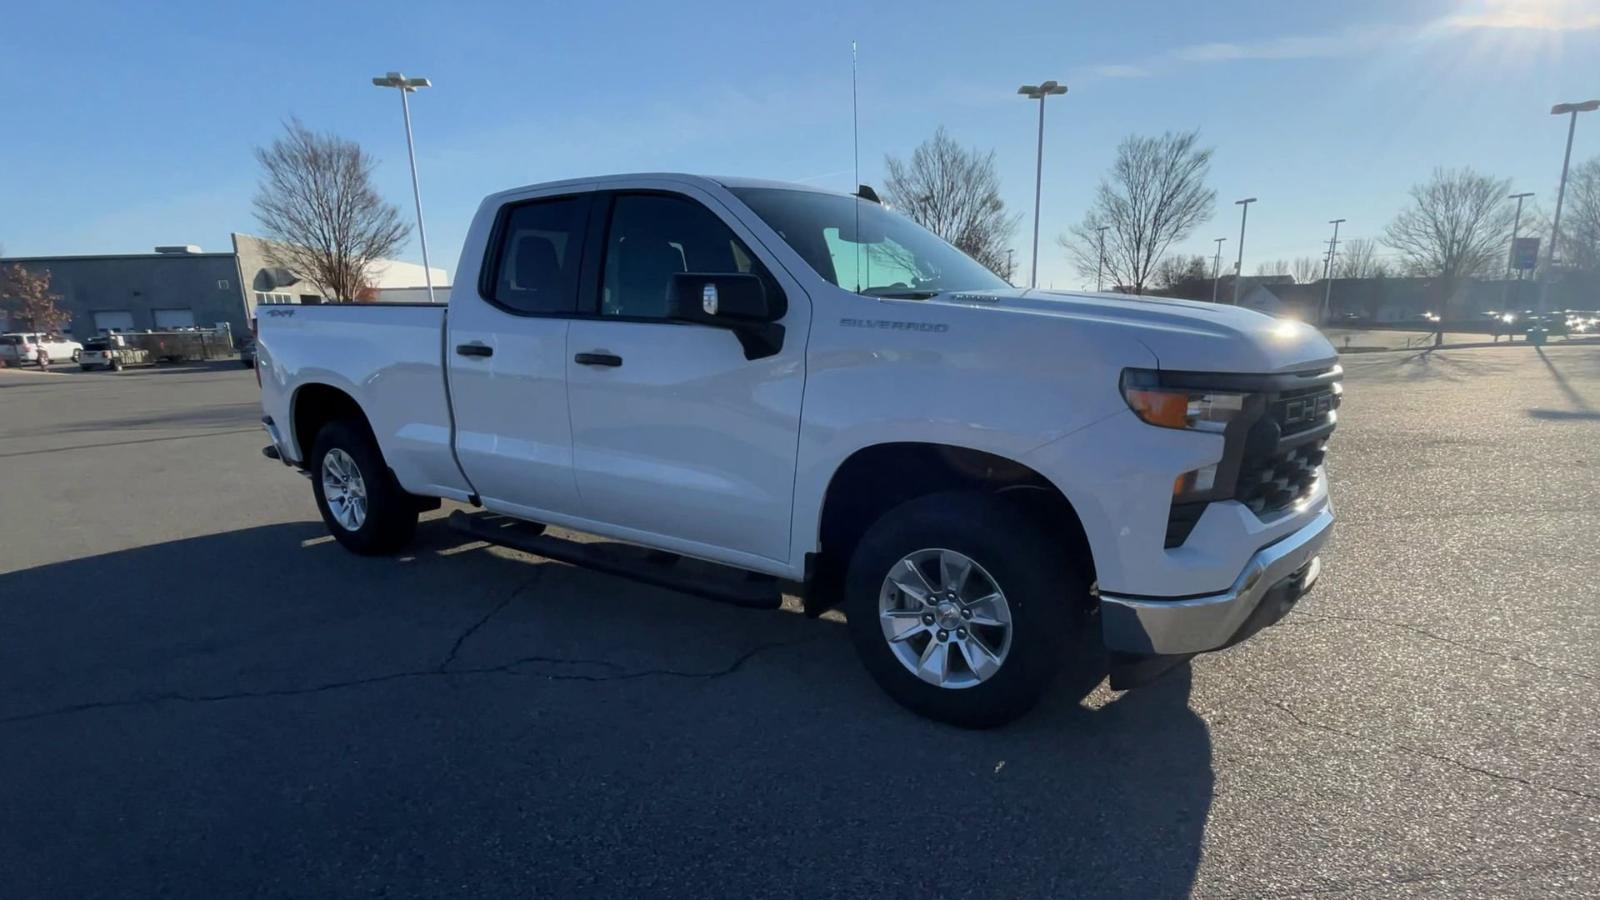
[1283, 571]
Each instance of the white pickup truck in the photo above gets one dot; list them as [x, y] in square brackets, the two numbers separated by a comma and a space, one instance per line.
[804, 385]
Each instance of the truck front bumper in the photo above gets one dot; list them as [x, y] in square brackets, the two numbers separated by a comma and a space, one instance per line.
[1272, 581]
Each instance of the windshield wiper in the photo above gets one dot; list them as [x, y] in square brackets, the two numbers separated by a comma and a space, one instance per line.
[900, 293]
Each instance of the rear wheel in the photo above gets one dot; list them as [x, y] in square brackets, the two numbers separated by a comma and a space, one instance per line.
[43, 359]
[961, 608]
[76, 355]
[362, 504]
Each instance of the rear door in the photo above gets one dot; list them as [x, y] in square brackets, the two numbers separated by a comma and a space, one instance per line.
[506, 356]
[675, 433]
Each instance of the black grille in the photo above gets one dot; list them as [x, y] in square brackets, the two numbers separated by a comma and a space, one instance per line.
[1280, 480]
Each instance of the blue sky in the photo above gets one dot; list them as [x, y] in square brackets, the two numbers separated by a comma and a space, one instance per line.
[131, 125]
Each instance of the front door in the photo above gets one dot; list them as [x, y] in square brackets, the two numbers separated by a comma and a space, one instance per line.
[507, 358]
[675, 433]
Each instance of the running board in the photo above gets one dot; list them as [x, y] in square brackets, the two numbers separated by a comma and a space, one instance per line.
[753, 591]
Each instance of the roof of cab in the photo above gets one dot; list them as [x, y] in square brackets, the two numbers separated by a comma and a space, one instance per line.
[731, 182]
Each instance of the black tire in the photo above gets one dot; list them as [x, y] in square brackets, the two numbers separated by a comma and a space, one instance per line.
[391, 513]
[1045, 595]
[116, 365]
[76, 354]
[43, 360]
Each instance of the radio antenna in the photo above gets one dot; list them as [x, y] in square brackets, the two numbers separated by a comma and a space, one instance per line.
[855, 139]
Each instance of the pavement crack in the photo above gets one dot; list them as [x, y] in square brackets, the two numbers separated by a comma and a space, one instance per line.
[1432, 635]
[1418, 751]
[483, 620]
[516, 667]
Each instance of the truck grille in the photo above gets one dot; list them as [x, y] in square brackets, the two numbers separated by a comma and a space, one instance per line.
[1280, 480]
[1285, 448]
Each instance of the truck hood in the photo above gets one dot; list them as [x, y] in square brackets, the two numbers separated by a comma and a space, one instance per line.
[1184, 335]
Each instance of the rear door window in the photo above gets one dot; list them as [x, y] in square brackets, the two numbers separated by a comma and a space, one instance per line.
[536, 261]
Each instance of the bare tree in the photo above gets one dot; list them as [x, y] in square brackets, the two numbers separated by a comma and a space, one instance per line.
[317, 203]
[1306, 269]
[1357, 258]
[1580, 244]
[954, 192]
[1274, 267]
[27, 299]
[1154, 195]
[1184, 276]
[1457, 226]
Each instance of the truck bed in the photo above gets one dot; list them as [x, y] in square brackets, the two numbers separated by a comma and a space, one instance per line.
[388, 358]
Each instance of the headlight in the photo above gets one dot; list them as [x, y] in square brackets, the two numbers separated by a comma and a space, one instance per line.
[1196, 410]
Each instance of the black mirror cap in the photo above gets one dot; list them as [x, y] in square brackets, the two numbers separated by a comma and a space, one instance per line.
[738, 299]
[742, 305]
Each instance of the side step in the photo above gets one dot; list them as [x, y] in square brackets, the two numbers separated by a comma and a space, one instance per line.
[752, 591]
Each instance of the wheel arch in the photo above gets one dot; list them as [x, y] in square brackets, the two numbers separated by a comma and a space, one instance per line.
[878, 477]
[314, 405]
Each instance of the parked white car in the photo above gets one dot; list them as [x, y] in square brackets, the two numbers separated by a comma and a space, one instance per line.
[807, 386]
[19, 348]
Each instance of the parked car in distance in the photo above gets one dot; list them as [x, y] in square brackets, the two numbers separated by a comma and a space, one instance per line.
[111, 351]
[979, 474]
[20, 348]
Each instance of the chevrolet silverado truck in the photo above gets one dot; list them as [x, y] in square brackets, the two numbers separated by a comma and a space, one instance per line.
[804, 386]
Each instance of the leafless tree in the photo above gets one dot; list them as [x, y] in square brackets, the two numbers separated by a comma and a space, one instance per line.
[1154, 195]
[317, 203]
[1456, 226]
[1580, 234]
[1357, 258]
[1184, 276]
[1306, 269]
[954, 192]
[1274, 267]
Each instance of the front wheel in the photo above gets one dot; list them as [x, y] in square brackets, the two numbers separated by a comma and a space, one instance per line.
[362, 504]
[961, 608]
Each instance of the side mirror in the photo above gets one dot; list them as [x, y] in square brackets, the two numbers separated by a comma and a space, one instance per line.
[735, 301]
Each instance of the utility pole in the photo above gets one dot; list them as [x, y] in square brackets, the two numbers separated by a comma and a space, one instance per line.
[1516, 225]
[1327, 272]
[1561, 193]
[1100, 269]
[1216, 270]
[1011, 267]
[1238, 267]
[1039, 92]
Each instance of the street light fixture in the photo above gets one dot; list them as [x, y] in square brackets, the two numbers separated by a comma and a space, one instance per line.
[1039, 92]
[410, 86]
[1238, 267]
[1327, 272]
[1563, 109]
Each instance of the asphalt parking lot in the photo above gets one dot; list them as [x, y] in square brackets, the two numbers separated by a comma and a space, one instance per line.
[201, 695]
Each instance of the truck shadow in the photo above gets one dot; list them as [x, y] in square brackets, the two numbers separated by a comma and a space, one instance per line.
[261, 705]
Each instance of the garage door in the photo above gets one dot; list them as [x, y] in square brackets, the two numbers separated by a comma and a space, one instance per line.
[113, 320]
[169, 319]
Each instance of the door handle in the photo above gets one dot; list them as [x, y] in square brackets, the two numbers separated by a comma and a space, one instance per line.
[598, 359]
[474, 349]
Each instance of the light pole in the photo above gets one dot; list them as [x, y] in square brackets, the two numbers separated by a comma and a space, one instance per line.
[1562, 109]
[1100, 269]
[1011, 266]
[408, 86]
[1516, 225]
[1327, 272]
[1238, 267]
[1216, 270]
[1039, 92]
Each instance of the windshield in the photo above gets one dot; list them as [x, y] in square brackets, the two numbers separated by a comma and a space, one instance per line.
[887, 255]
